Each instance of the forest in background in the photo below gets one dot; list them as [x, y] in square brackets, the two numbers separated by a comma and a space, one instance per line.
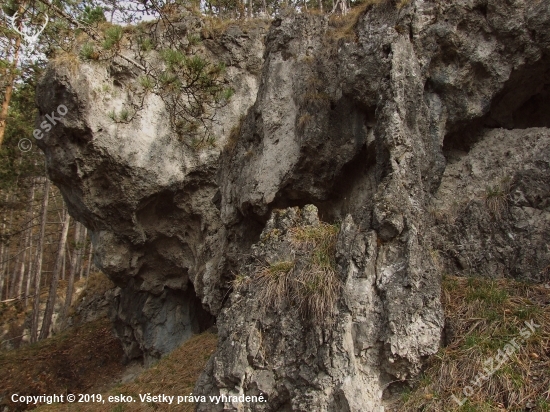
[41, 247]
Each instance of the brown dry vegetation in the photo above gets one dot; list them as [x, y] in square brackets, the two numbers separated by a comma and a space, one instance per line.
[310, 282]
[75, 361]
[497, 196]
[95, 285]
[342, 27]
[482, 317]
[173, 375]
[88, 359]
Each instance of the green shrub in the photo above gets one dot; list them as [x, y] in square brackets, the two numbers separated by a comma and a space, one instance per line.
[146, 44]
[93, 15]
[113, 36]
[87, 52]
[147, 82]
[172, 58]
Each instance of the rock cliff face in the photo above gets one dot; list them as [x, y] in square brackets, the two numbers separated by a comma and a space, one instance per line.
[424, 134]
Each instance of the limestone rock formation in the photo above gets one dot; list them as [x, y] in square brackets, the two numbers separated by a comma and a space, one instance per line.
[423, 133]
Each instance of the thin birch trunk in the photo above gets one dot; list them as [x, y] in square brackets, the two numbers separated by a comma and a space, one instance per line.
[21, 275]
[19, 261]
[30, 279]
[63, 265]
[2, 264]
[48, 313]
[10, 287]
[7, 259]
[39, 255]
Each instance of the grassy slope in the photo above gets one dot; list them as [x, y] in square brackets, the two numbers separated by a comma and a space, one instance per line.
[87, 359]
[73, 361]
[482, 317]
[174, 375]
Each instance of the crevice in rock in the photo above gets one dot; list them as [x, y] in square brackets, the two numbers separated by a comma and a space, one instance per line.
[339, 198]
[136, 317]
[521, 104]
[342, 197]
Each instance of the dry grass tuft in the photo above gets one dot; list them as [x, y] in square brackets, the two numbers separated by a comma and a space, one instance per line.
[497, 196]
[317, 286]
[402, 3]
[68, 61]
[483, 316]
[304, 121]
[274, 283]
[239, 281]
[316, 293]
[309, 282]
[234, 134]
[343, 26]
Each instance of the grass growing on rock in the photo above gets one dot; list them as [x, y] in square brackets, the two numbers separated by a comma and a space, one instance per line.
[342, 27]
[483, 316]
[309, 282]
[317, 285]
[496, 199]
[274, 283]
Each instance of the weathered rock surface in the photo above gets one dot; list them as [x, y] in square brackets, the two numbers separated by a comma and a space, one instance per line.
[339, 364]
[492, 209]
[425, 133]
[145, 194]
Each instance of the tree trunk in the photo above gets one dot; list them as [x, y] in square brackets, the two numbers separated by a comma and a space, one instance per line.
[90, 256]
[82, 250]
[3, 258]
[28, 246]
[63, 266]
[72, 271]
[38, 270]
[78, 247]
[10, 287]
[31, 224]
[19, 262]
[48, 313]
[21, 275]
[9, 90]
